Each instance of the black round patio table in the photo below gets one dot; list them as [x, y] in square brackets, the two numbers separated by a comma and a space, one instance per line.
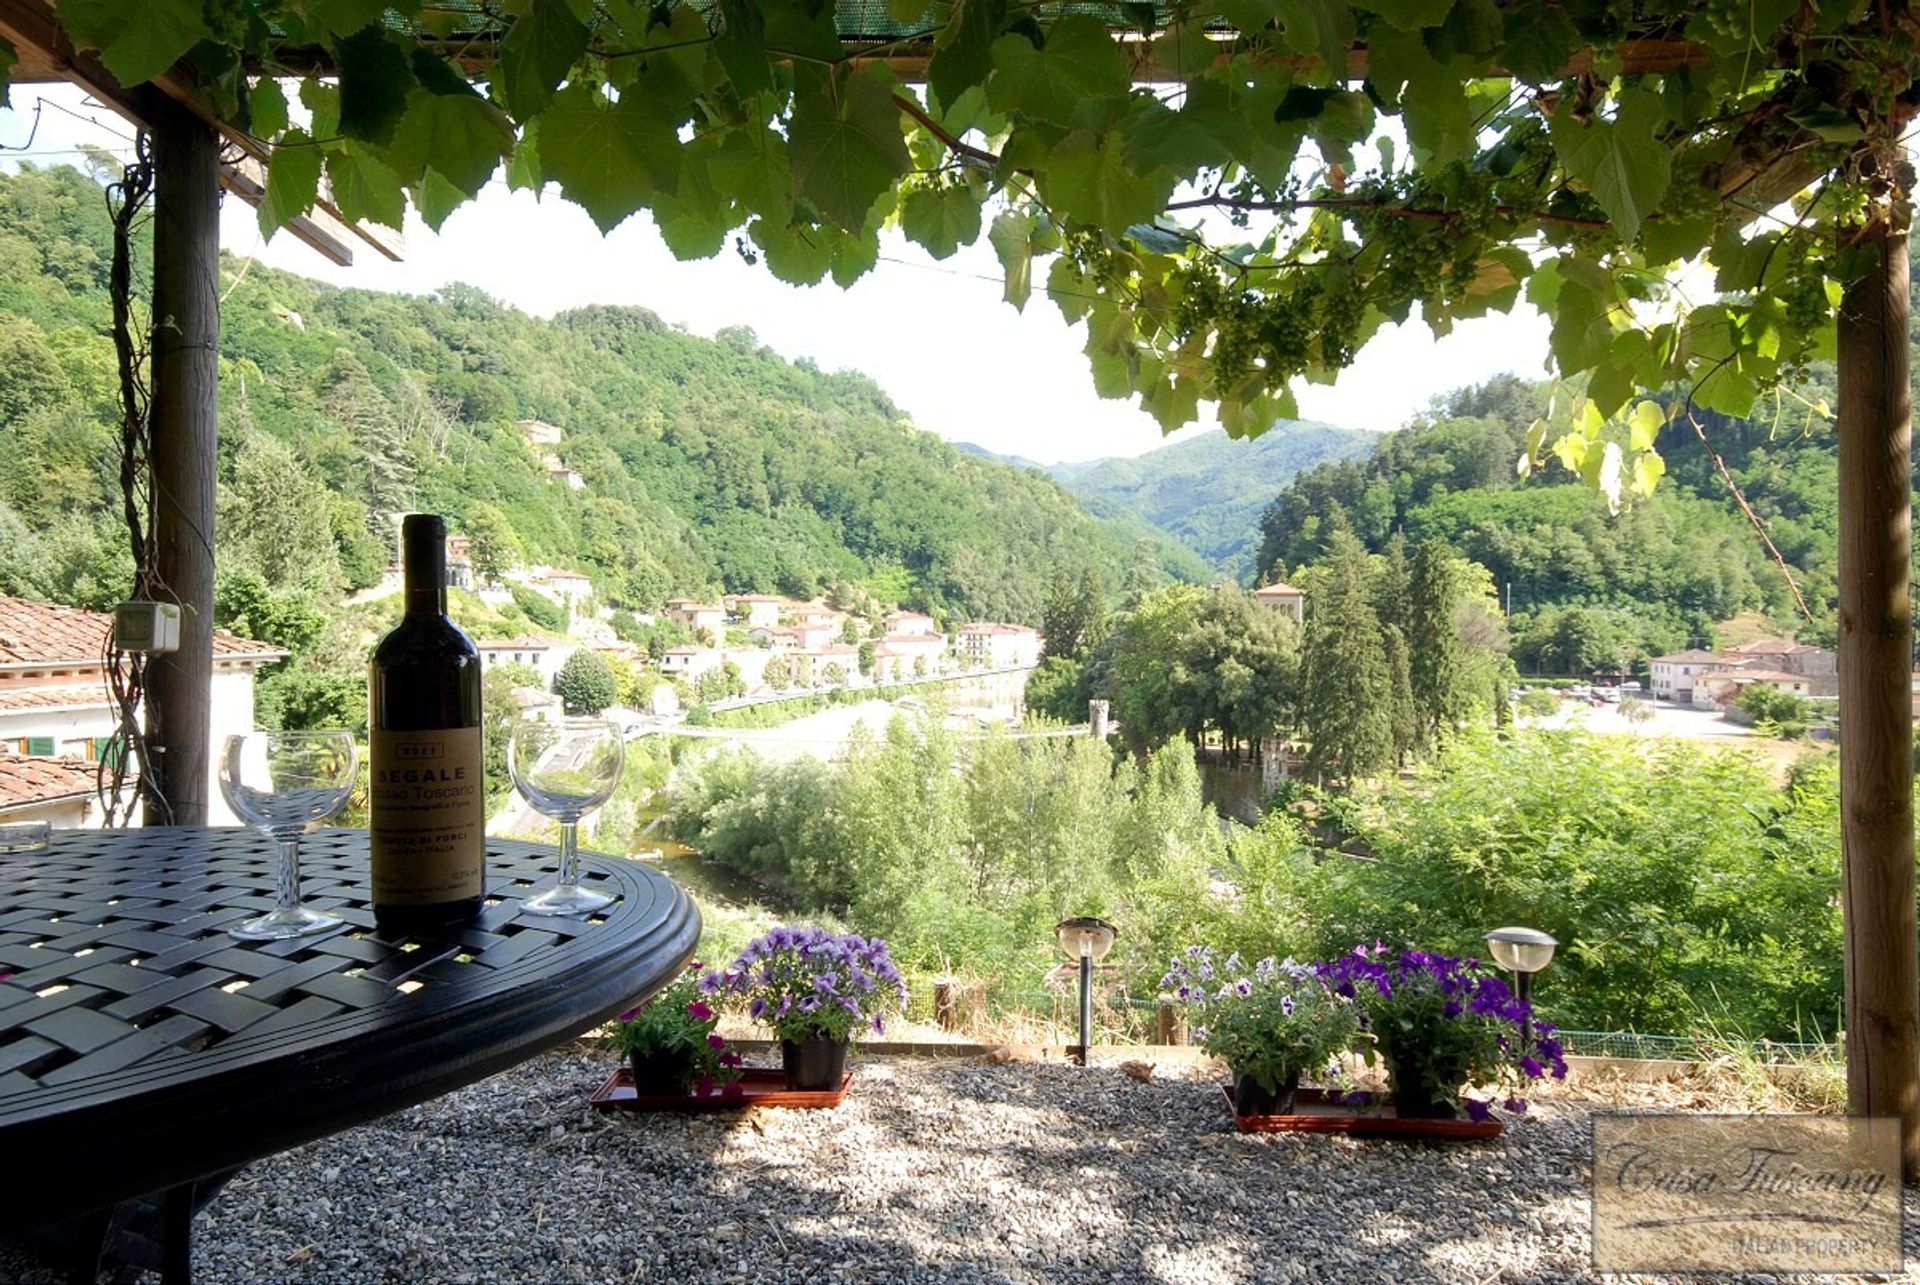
[143, 1050]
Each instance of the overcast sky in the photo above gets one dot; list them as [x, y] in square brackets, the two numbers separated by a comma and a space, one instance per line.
[935, 335]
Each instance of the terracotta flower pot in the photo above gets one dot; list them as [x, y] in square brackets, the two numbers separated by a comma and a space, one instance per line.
[814, 1065]
[661, 1072]
[1251, 1099]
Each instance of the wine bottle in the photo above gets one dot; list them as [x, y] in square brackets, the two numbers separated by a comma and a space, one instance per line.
[427, 811]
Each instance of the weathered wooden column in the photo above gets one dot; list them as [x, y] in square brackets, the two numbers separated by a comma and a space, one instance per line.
[1876, 658]
[185, 429]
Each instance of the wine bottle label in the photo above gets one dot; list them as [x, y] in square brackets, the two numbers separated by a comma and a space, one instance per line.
[427, 816]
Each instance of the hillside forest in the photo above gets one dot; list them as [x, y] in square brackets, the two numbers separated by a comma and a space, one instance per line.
[708, 465]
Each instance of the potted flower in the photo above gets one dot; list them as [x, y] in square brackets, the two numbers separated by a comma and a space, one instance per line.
[1272, 1023]
[1442, 1025]
[815, 989]
[671, 1043]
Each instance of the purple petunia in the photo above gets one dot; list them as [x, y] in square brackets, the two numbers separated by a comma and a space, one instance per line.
[699, 1012]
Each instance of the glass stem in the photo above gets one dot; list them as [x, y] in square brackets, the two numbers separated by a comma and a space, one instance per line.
[569, 854]
[289, 876]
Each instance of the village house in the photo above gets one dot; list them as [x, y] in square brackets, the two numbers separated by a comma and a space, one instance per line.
[544, 654]
[57, 791]
[700, 617]
[910, 622]
[541, 433]
[689, 662]
[569, 584]
[55, 708]
[990, 645]
[1673, 676]
[755, 610]
[1283, 597]
[909, 655]
[1816, 664]
[459, 563]
[844, 655]
[1717, 689]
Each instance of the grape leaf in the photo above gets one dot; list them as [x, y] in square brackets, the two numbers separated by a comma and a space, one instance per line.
[266, 108]
[137, 40]
[1086, 180]
[375, 77]
[463, 137]
[322, 102]
[436, 199]
[752, 167]
[364, 187]
[963, 52]
[941, 219]
[1622, 163]
[741, 48]
[1540, 41]
[1078, 62]
[1323, 27]
[293, 182]
[797, 255]
[695, 220]
[343, 16]
[854, 253]
[845, 154]
[1012, 238]
[1411, 15]
[536, 54]
[607, 157]
[524, 173]
[9, 58]
[1432, 99]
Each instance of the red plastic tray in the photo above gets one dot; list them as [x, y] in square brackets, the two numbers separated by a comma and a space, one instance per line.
[1313, 1113]
[758, 1088]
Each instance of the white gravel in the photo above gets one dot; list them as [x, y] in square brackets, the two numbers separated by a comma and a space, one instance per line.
[931, 1171]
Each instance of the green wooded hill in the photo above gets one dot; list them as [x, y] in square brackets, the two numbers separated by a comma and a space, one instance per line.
[1207, 492]
[708, 464]
[1590, 588]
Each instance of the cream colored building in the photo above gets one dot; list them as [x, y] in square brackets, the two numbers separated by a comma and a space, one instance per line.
[54, 701]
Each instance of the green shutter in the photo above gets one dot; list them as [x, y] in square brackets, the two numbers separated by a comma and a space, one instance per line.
[40, 745]
[111, 749]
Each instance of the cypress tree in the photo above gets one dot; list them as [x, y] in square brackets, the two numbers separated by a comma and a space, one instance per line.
[1435, 666]
[1346, 690]
[1400, 705]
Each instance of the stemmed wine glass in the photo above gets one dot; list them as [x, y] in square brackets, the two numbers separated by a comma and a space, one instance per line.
[285, 784]
[564, 769]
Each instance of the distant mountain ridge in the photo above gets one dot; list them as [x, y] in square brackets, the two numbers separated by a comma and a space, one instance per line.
[1208, 491]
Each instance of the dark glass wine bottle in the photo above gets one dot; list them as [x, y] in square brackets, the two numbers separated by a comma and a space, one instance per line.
[427, 809]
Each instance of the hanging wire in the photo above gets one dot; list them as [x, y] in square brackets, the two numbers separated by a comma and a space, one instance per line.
[121, 779]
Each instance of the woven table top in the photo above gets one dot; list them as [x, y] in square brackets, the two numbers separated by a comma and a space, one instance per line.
[130, 1019]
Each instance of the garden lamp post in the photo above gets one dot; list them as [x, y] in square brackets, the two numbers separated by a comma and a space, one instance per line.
[1088, 940]
[1522, 952]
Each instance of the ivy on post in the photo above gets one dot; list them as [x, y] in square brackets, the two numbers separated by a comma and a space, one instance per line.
[1233, 196]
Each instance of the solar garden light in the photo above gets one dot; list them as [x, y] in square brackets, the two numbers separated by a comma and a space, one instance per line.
[1086, 939]
[1522, 952]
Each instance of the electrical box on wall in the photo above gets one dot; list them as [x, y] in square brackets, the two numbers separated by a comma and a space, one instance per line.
[146, 626]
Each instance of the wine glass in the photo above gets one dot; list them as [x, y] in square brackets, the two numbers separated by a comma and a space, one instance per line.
[285, 784]
[564, 769]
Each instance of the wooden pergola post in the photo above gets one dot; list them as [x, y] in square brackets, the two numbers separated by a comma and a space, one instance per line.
[185, 431]
[1875, 426]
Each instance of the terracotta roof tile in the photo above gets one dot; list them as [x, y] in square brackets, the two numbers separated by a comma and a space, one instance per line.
[88, 697]
[45, 633]
[1278, 589]
[25, 779]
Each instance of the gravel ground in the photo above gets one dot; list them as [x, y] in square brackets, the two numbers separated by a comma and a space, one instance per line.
[931, 1171]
